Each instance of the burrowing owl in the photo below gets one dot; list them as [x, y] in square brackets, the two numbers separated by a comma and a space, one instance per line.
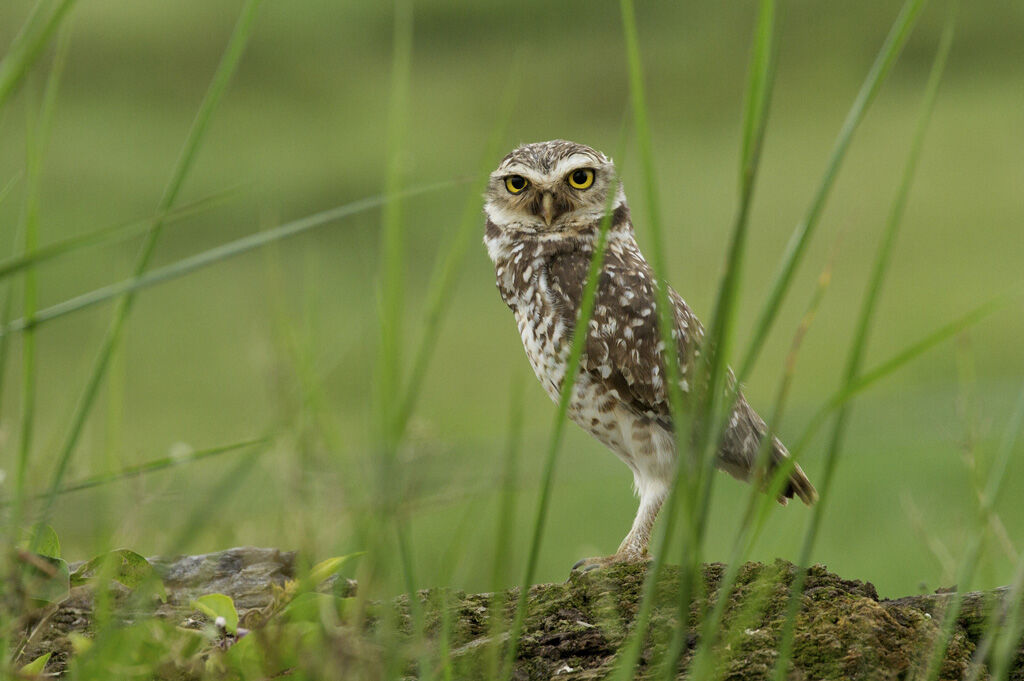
[544, 206]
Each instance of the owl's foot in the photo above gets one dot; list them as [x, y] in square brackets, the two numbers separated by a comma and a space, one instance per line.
[598, 562]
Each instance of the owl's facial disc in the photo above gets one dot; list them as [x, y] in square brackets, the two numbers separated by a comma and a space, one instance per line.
[550, 188]
[545, 199]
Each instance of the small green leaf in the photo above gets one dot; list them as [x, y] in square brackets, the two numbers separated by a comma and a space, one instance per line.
[37, 665]
[216, 606]
[327, 568]
[43, 541]
[129, 568]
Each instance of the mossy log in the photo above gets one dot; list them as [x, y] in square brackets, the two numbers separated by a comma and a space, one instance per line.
[574, 629]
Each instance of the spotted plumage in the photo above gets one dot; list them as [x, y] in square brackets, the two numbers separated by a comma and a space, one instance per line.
[544, 206]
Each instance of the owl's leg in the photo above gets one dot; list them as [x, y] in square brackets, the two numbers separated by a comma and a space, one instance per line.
[634, 547]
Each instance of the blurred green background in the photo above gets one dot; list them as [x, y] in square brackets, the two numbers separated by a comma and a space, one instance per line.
[223, 354]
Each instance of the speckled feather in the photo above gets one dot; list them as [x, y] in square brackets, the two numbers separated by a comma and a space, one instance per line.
[620, 395]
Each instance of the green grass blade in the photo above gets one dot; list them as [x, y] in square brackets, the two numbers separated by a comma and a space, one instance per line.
[969, 562]
[38, 136]
[801, 236]
[210, 257]
[704, 664]
[554, 443]
[387, 377]
[34, 35]
[5, 339]
[716, 405]
[869, 378]
[505, 530]
[8, 308]
[219, 495]
[509, 475]
[859, 343]
[898, 361]
[450, 265]
[43, 254]
[153, 466]
[1005, 619]
[1005, 649]
[997, 473]
[225, 70]
[652, 199]
[760, 83]
[629, 652]
[389, 356]
[758, 98]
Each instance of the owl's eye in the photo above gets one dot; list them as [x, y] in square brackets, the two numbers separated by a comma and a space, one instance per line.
[581, 179]
[515, 183]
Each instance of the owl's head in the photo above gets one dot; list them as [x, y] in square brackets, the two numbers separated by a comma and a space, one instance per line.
[551, 187]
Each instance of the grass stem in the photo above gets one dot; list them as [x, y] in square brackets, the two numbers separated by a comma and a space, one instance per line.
[226, 68]
[859, 343]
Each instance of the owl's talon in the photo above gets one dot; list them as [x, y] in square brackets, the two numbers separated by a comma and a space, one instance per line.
[596, 563]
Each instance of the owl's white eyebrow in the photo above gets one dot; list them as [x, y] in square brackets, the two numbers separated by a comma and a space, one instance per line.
[573, 162]
[561, 168]
[516, 168]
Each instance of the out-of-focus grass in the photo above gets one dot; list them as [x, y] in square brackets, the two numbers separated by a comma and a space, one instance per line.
[304, 121]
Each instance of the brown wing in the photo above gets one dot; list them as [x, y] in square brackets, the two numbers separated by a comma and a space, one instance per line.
[623, 349]
[623, 345]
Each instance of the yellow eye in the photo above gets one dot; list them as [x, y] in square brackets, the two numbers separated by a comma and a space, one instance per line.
[581, 179]
[515, 183]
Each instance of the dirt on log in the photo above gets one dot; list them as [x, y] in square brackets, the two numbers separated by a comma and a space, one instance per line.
[573, 630]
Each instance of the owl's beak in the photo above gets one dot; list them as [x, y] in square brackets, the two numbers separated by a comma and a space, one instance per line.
[547, 208]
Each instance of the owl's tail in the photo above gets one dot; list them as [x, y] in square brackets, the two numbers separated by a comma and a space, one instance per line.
[741, 444]
[798, 484]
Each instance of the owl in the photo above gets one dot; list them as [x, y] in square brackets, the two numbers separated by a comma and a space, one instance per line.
[544, 205]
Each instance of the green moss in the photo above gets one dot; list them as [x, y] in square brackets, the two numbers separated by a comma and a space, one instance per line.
[843, 630]
[573, 629]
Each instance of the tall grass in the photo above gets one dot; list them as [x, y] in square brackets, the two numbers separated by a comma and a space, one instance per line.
[38, 133]
[29, 44]
[887, 56]
[714, 406]
[692, 487]
[969, 561]
[190, 264]
[755, 514]
[859, 343]
[26, 48]
[222, 76]
[398, 380]
[123, 231]
[718, 338]
[630, 652]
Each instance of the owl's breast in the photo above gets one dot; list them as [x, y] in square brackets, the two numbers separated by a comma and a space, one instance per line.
[543, 331]
[593, 406]
[540, 310]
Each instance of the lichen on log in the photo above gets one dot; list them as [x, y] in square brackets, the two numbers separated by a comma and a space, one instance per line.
[573, 630]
